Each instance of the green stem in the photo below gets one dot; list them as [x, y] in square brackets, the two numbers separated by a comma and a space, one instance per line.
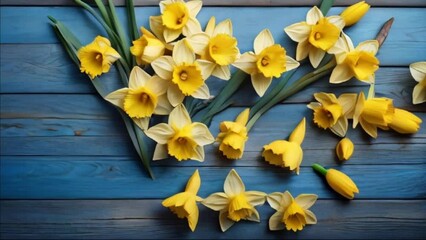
[319, 169]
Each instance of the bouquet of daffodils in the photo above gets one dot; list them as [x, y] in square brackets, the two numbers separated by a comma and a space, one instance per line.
[164, 70]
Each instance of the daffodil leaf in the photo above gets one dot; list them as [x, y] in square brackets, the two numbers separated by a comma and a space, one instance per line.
[120, 32]
[103, 12]
[325, 6]
[132, 19]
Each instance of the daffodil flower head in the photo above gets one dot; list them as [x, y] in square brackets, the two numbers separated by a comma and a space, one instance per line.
[291, 213]
[331, 112]
[233, 136]
[405, 122]
[235, 203]
[180, 137]
[177, 17]
[146, 95]
[373, 113]
[315, 36]
[267, 61]
[97, 57]
[184, 204]
[287, 153]
[147, 48]
[418, 71]
[359, 62]
[185, 73]
[217, 46]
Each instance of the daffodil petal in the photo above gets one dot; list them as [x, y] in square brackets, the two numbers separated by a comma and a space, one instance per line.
[306, 200]
[222, 72]
[260, 83]
[302, 50]
[163, 106]
[182, 53]
[287, 199]
[341, 73]
[191, 27]
[198, 42]
[275, 221]
[263, 40]
[194, 183]
[290, 63]
[369, 128]
[298, 32]
[160, 133]
[117, 97]
[202, 92]
[326, 98]
[157, 85]
[207, 68]
[298, 133]
[256, 197]
[341, 127]
[174, 95]
[225, 222]
[193, 218]
[313, 16]
[418, 71]
[274, 200]
[347, 101]
[179, 117]
[163, 67]
[194, 7]
[216, 201]
[419, 93]
[138, 78]
[142, 123]
[210, 26]
[242, 118]
[310, 217]
[369, 46]
[337, 21]
[171, 34]
[341, 46]
[315, 56]
[246, 62]
[156, 25]
[233, 184]
[160, 152]
[223, 27]
[254, 217]
[201, 134]
[358, 107]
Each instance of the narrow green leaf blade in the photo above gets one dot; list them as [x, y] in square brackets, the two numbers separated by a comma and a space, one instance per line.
[325, 6]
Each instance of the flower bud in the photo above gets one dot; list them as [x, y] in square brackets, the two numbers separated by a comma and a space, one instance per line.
[405, 122]
[147, 48]
[354, 13]
[344, 149]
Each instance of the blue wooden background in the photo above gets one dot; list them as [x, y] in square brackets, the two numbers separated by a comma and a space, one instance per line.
[69, 170]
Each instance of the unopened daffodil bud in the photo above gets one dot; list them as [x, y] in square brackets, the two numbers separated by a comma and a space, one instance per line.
[354, 13]
[344, 149]
[147, 48]
[338, 181]
[405, 122]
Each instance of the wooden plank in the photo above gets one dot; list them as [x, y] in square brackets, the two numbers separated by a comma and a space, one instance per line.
[392, 3]
[75, 179]
[136, 219]
[406, 33]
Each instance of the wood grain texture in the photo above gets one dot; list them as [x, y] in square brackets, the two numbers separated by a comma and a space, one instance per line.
[147, 219]
[392, 3]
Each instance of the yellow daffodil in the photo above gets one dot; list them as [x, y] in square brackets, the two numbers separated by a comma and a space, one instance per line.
[184, 204]
[267, 61]
[235, 203]
[180, 138]
[359, 62]
[315, 36]
[217, 46]
[177, 17]
[185, 74]
[405, 122]
[331, 112]
[287, 153]
[147, 48]
[233, 136]
[338, 181]
[97, 57]
[373, 113]
[354, 13]
[344, 149]
[418, 71]
[146, 95]
[291, 213]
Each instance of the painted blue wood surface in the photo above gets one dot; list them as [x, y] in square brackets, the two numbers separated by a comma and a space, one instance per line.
[61, 141]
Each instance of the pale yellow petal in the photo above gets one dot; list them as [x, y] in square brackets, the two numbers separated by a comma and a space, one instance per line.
[223, 27]
[369, 46]
[194, 183]
[207, 68]
[210, 26]
[326, 98]
[341, 127]
[344, 44]
[263, 40]
[233, 184]
[198, 42]
[201, 134]
[315, 56]
[246, 62]
[358, 108]
[163, 67]
[337, 21]
[302, 50]
[193, 217]
[160, 152]
[174, 95]
[191, 27]
[216, 201]
[298, 133]
[242, 118]
[117, 97]
[274, 200]
[160, 133]
[202, 92]
[138, 78]
[179, 117]
[156, 25]
[142, 123]
[260, 83]
[418, 71]
[225, 222]
[313, 16]
[163, 4]
[276, 221]
[171, 34]
[419, 93]
[290, 63]
[256, 198]
[222, 72]
[306, 200]
[348, 101]
[310, 217]
[199, 154]
[182, 53]
[157, 85]
[314, 105]
[194, 7]
[369, 128]
[341, 73]
[254, 217]
[298, 32]
[287, 199]
[163, 106]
